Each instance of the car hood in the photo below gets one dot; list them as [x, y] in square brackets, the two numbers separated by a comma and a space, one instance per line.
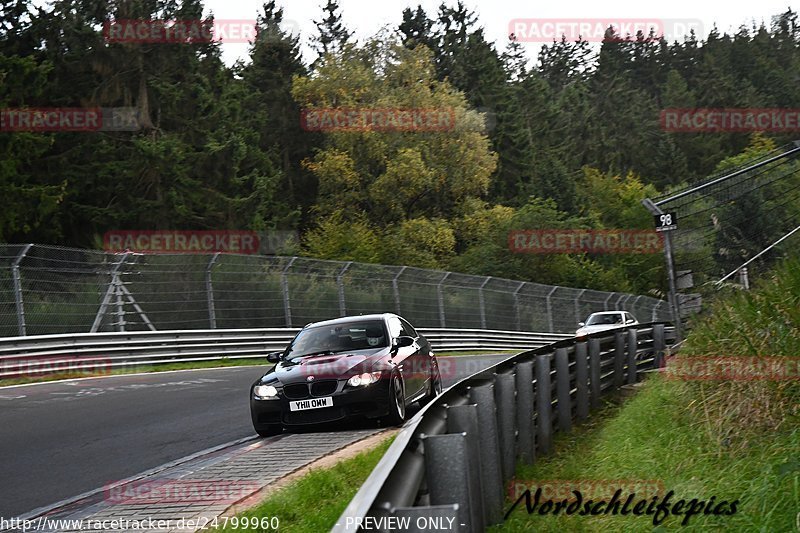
[334, 366]
[585, 330]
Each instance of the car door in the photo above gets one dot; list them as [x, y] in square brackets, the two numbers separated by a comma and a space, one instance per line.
[421, 357]
[405, 358]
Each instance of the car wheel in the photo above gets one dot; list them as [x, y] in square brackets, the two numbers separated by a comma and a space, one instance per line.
[436, 388]
[269, 431]
[397, 401]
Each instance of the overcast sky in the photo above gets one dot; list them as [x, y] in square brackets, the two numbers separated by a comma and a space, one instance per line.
[366, 17]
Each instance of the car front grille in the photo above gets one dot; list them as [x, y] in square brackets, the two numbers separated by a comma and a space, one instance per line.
[324, 388]
[296, 391]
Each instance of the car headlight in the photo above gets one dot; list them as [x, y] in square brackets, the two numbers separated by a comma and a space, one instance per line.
[364, 379]
[266, 392]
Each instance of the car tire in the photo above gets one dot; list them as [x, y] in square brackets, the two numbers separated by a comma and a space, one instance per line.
[436, 388]
[269, 431]
[397, 401]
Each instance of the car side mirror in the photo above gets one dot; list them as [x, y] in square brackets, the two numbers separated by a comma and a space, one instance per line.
[631, 321]
[404, 341]
[274, 357]
[581, 324]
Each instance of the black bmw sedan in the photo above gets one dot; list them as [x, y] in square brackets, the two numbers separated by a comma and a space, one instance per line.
[370, 366]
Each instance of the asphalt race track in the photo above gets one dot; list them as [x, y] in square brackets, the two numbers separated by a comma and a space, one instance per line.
[62, 439]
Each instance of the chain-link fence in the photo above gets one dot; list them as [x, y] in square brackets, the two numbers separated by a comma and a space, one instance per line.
[48, 290]
[729, 218]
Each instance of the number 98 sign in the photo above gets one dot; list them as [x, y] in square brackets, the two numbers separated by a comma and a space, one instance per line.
[666, 221]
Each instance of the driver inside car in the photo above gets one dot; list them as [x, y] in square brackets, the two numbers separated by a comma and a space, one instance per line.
[374, 337]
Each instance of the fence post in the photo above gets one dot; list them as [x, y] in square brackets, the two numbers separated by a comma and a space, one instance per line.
[112, 287]
[287, 304]
[633, 346]
[212, 312]
[658, 345]
[517, 306]
[491, 474]
[120, 306]
[482, 302]
[550, 309]
[396, 290]
[619, 357]
[581, 381]
[635, 303]
[525, 411]
[577, 306]
[595, 387]
[605, 302]
[340, 287]
[544, 405]
[562, 390]
[440, 296]
[21, 327]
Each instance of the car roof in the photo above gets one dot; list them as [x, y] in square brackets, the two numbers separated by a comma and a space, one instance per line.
[348, 319]
[608, 312]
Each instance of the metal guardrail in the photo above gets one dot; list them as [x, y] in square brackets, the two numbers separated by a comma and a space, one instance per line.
[31, 355]
[453, 459]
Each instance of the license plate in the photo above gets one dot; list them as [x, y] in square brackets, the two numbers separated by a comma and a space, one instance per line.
[313, 403]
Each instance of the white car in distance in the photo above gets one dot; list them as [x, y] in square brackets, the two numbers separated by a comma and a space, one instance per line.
[605, 320]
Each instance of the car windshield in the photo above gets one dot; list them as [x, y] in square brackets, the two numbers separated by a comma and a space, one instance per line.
[337, 338]
[602, 320]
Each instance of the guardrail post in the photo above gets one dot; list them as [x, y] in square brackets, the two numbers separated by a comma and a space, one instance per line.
[550, 309]
[491, 475]
[517, 310]
[581, 381]
[562, 390]
[396, 290]
[506, 418]
[464, 419]
[287, 303]
[525, 411]
[595, 386]
[447, 472]
[619, 358]
[440, 297]
[544, 404]
[212, 312]
[21, 327]
[482, 302]
[633, 346]
[658, 345]
[340, 287]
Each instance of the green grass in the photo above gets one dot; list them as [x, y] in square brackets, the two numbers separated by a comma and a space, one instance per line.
[734, 440]
[314, 502]
[654, 437]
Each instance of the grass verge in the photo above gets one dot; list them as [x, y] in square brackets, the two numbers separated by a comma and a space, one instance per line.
[715, 432]
[653, 437]
[314, 502]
